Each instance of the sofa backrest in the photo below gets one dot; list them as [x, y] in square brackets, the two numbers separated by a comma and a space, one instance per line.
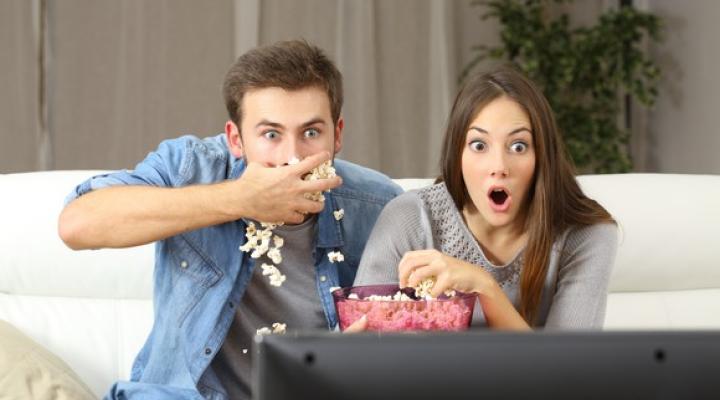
[94, 308]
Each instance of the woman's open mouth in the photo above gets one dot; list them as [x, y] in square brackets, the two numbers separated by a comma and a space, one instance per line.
[499, 198]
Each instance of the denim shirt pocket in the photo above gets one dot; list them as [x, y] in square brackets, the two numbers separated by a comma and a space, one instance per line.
[193, 273]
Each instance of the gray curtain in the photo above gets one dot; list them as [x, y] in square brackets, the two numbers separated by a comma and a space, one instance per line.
[20, 132]
[118, 77]
[99, 83]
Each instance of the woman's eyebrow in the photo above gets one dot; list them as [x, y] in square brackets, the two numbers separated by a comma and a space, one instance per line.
[513, 132]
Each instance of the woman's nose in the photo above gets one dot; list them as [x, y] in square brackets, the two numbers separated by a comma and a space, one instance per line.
[499, 166]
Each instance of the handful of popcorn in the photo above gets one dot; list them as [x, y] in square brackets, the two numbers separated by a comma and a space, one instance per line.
[422, 290]
[258, 240]
[322, 171]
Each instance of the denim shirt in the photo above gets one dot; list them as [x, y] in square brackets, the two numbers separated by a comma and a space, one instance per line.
[200, 276]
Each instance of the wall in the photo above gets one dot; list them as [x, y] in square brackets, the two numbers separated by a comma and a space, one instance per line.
[122, 76]
[683, 135]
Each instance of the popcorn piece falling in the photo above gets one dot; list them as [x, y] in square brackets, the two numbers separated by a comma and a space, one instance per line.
[339, 214]
[274, 274]
[277, 328]
[336, 256]
[274, 255]
[258, 240]
[244, 351]
[263, 331]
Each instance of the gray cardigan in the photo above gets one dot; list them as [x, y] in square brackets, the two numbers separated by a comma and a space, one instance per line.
[575, 291]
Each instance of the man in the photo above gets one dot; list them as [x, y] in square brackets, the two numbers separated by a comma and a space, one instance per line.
[201, 199]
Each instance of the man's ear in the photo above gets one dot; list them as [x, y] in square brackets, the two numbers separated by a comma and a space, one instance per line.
[233, 138]
[339, 134]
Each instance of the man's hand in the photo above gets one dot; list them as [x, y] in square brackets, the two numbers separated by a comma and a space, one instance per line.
[278, 194]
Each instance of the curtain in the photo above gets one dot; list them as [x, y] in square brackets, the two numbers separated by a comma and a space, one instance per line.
[118, 77]
[20, 131]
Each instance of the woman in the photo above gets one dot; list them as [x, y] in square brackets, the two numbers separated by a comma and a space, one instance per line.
[507, 219]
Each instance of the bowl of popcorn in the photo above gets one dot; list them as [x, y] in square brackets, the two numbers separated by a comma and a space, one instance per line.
[391, 309]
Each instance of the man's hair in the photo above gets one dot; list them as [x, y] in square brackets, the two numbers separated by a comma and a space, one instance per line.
[290, 65]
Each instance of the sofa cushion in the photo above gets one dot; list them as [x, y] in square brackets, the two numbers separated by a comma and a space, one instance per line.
[29, 371]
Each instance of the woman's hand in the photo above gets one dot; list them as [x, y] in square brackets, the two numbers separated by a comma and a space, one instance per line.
[357, 326]
[449, 272]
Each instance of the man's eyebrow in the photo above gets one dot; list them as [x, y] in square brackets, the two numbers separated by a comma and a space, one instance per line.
[316, 120]
[313, 121]
[514, 131]
[265, 122]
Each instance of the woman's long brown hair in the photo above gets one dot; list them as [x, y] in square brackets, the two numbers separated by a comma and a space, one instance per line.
[555, 200]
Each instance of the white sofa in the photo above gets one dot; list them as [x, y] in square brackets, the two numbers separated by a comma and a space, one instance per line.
[94, 308]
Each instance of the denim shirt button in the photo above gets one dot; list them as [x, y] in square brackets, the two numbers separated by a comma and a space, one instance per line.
[208, 351]
[183, 264]
[231, 305]
[323, 278]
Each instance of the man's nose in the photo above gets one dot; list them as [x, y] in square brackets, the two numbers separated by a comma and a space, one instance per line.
[288, 153]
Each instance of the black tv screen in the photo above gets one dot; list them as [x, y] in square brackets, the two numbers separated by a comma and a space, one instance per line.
[489, 365]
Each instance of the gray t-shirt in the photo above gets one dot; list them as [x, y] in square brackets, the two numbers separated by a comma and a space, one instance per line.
[575, 291]
[295, 303]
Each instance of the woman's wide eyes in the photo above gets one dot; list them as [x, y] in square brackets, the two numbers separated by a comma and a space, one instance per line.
[518, 147]
[478, 145]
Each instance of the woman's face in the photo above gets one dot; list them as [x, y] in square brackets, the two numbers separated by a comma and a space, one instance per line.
[498, 164]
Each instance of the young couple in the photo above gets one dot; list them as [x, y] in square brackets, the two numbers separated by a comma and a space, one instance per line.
[506, 220]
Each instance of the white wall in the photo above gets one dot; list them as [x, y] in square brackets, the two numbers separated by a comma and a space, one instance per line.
[683, 134]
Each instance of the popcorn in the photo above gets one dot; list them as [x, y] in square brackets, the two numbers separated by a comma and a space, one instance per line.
[277, 328]
[322, 171]
[258, 240]
[244, 351]
[274, 255]
[339, 214]
[422, 290]
[336, 256]
[398, 296]
[274, 274]
[334, 288]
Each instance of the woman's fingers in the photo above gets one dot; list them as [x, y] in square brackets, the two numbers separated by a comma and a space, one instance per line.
[413, 260]
[357, 326]
[421, 273]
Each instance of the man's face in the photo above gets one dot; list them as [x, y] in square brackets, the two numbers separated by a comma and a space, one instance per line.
[278, 125]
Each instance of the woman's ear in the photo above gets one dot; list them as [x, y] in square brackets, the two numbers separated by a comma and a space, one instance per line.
[233, 138]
